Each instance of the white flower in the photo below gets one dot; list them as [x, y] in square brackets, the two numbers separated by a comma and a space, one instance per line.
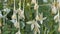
[54, 9]
[14, 16]
[21, 14]
[40, 18]
[16, 24]
[33, 24]
[14, 20]
[33, 1]
[6, 9]
[36, 6]
[36, 30]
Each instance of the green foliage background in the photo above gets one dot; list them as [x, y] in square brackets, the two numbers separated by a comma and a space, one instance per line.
[48, 27]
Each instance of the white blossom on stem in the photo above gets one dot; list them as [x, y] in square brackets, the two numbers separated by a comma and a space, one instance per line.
[21, 14]
[14, 16]
[34, 26]
[40, 18]
[14, 20]
[54, 9]
[56, 17]
[6, 10]
[16, 24]
[36, 30]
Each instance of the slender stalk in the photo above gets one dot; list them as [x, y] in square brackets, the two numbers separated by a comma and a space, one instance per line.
[59, 18]
[19, 4]
[0, 26]
[14, 4]
[23, 5]
[37, 9]
[18, 16]
[4, 14]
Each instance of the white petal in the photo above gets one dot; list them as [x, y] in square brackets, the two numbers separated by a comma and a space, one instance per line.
[41, 15]
[21, 14]
[32, 26]
[44, 18]
[23, 25]
[37, 18]
[18, 32]
[14, 21]
[14, 16]
[54, 10]
[16, 25]
[36, 6]
[55, 17]
[41, 21]
[37, 25]
[1, 15]
[29, 22]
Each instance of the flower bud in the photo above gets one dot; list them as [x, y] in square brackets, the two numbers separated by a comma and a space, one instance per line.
[36, 6]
